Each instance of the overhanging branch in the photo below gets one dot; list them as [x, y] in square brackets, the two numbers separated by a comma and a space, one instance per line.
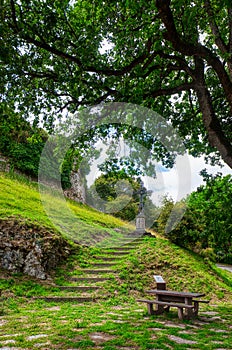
[214, 28]
[171, 90]
[190, 49]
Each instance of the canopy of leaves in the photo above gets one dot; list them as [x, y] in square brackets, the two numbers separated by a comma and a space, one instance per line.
[61, 55]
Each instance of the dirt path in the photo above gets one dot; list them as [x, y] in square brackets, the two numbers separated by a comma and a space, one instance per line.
[225, 267]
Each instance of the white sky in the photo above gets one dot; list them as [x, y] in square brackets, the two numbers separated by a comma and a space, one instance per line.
[169, 182]
[177, 182]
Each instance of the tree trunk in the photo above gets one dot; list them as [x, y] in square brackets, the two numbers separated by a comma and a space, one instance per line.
[216, 135]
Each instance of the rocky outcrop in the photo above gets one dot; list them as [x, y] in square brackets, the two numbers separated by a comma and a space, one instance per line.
[4, 164]
[30, 249]
[77, 190]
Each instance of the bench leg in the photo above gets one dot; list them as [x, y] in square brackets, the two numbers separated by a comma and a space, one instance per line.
[189, 312]
[196, 308]
[150, 309]
[159, 309]
[180, 313]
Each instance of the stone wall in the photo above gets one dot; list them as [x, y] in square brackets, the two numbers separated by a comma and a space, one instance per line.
[30, 249]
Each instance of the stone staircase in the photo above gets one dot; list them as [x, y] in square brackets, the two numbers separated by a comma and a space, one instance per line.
[87, 284]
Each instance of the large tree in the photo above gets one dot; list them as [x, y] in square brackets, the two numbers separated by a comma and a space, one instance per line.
[59, 55]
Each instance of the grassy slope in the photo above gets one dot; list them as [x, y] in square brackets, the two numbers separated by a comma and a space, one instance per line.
[31, 324]
[181, 269]
[18, 198]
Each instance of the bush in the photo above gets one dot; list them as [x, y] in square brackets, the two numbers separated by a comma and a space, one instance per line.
[22, 144]
[206, 225]
[115, 194]
[208, 253]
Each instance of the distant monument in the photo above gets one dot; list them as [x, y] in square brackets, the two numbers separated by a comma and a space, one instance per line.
[140, 223]
[140, 218]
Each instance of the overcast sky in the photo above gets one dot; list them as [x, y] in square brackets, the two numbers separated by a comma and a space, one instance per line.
[177, 183]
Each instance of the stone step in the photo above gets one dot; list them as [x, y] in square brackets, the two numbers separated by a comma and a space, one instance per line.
[125, 246]
[100, 258]
[124, 253]
[67, 299]
[122, 241]
[90, 271]
[121, 248]
[135, 241]
[103, 265]
[89, 279]
[136, 238]
[78, 288]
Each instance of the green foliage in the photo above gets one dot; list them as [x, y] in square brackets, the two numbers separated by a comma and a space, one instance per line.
[116, 193]
[20, 142]
[23, 144]
[206, 225]
[167, 206]
[67, 167]
[54, 58]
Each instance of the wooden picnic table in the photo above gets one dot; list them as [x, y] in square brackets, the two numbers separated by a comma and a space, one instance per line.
[169, 298]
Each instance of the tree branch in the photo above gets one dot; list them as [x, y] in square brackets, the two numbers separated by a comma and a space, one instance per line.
[215, 31]
[46, 75]
[170, 91]
[51, 49]
[230, 29]
[215, 133]
[119, 72]
[190, 49]
[182, 63]
[13, 10]
[214, 28]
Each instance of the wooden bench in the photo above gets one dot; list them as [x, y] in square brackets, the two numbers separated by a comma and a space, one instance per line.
[165, 307]
[168, 298]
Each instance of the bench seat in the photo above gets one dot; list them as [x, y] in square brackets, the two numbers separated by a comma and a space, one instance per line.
[180, 306]
[166, 303]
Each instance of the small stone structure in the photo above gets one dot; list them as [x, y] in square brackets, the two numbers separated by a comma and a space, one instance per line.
[140, 223]
[30, 249]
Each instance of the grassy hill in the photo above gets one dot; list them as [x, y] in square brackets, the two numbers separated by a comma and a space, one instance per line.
[76, 221]
[115, 321]
[181, 269]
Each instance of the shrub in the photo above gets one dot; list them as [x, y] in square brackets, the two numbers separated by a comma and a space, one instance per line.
[206, 225]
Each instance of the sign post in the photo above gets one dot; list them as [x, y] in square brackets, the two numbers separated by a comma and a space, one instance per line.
[160, 283]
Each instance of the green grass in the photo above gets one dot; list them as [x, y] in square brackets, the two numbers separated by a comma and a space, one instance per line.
[181, 269]
[20, 198]
[119, 321]
[110, 325]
